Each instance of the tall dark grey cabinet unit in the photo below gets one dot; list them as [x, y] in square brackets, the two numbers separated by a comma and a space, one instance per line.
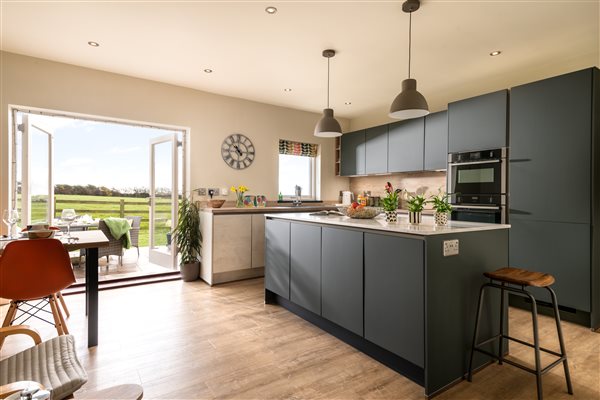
[554, 188]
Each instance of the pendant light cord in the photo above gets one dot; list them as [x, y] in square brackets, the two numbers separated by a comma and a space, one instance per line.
[328, 82]
[409, 40]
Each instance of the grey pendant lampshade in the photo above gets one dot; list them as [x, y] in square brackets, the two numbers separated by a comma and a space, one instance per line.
[409, 103]
[328, 125]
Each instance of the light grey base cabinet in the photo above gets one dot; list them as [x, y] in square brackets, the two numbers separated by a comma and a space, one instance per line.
[394, 296]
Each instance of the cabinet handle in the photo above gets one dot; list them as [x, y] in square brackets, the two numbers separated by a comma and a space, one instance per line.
[520, 160]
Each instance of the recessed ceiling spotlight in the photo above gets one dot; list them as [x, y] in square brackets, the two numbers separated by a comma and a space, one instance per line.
[287, 89]
[347, 103]
[270, 10]
[495, 53]
[94, 44]
[208, 71]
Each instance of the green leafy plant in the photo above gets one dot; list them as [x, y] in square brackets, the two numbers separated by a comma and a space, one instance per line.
[440, 203]
[390, 201]
[416, 203]
[187, 232]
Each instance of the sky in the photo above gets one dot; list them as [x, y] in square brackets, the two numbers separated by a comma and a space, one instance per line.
[97, 153]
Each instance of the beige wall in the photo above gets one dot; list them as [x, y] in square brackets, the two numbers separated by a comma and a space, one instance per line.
[41, 83]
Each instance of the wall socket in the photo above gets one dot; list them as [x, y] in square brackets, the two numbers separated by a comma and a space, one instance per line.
[201, 191]
[215, 191]
[450, 247]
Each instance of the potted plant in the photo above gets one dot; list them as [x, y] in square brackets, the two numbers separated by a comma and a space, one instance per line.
[416, 204]
[188, 239]
[390, 203]
[442, 208]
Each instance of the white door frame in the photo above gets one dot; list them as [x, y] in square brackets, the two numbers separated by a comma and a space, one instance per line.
[162, 256]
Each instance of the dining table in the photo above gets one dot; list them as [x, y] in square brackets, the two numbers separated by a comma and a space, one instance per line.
[90, 241]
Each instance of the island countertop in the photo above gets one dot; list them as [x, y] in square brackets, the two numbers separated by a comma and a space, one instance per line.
[426, 228]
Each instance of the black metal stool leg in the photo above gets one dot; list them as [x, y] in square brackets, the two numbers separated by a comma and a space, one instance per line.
[536, 343]
[561, 341]
[476, 333]
[501, 339]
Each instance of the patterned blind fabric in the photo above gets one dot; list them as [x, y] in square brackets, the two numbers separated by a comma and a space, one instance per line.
[297, 149]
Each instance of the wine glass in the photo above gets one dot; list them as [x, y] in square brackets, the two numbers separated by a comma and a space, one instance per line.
[10, 218]
[68, 215]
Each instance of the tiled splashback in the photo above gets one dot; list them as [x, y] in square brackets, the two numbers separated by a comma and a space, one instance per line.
[426, 183]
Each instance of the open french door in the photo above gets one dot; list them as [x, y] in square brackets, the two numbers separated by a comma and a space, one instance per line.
[33, 186]
[164, 199]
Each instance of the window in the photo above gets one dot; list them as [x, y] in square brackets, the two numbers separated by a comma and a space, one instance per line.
[297, 166]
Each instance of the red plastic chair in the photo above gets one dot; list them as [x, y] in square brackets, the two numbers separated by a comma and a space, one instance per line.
[33, 270]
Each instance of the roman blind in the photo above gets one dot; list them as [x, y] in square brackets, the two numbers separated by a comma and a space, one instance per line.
[297, 148]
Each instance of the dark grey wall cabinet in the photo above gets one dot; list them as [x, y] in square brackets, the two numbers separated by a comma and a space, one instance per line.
[478, 123]
[394, 295]
[342, 278]
[436, 141]
[277, 257]
[406, 142]
[560, 249]
[377, 149]
[305, 266]
[550, 167]
[353, 149]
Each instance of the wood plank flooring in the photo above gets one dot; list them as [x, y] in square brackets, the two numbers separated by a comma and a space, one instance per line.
[189, 341]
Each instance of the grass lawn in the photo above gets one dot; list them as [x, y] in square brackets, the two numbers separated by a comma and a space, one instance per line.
[107, 206]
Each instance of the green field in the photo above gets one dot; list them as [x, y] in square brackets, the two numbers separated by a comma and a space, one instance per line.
[107, 206]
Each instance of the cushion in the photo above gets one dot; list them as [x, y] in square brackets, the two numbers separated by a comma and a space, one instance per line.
[53, 363]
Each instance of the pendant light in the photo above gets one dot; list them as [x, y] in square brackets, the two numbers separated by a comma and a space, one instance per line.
[409, 103]
[327, 125]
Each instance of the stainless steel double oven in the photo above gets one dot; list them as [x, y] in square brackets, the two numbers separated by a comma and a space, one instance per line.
[477, 184]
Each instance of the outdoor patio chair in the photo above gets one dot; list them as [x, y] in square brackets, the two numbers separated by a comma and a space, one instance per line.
[114, 248]
[134, 233]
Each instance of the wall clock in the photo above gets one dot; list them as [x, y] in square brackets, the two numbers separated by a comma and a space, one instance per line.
[237, 151]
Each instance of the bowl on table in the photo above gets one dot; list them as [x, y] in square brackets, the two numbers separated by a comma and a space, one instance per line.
[39, 234]
[359, 212]
[216, 203]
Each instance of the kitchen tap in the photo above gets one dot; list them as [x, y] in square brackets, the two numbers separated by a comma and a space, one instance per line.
[298, 198]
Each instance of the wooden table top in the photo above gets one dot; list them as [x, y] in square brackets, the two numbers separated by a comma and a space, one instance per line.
[86, 240]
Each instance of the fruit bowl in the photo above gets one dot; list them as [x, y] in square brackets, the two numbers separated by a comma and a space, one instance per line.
[216, 203]
[359, 212]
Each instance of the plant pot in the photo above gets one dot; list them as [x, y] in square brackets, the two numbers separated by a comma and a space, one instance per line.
[190, 272]
[440, 218]
[414, 217]
[391, 216]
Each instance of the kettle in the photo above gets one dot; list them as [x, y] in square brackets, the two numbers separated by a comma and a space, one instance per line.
[347, 197]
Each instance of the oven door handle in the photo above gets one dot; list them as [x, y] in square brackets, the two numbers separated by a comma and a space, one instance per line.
[476, 207]
[456, 164]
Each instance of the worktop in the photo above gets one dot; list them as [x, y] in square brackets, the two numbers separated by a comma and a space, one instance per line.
[403, 294]
[426, 228]
[269, 209]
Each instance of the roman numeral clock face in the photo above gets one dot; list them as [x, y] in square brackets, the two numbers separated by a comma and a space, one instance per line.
[237, 151]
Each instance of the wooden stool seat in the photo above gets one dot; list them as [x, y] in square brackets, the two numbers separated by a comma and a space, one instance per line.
[522, 277]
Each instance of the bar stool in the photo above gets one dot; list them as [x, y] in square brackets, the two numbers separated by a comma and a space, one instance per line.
[522, 278]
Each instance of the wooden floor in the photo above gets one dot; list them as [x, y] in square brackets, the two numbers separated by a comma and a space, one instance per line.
[189, 341]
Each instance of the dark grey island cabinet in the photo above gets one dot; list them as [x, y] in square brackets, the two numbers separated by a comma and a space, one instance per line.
[389, 291]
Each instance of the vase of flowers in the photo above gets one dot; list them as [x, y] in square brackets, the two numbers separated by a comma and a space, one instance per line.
[390, 203]
[416, 204]
[442, 208]
[239, 195]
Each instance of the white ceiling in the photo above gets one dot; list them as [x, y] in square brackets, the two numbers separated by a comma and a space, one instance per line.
[255, 55]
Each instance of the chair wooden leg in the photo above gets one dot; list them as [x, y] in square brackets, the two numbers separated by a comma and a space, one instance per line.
[63, 304]
[56, 314]
[10, 315]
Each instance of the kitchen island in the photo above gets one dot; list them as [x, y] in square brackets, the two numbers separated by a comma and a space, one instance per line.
[404, 294]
